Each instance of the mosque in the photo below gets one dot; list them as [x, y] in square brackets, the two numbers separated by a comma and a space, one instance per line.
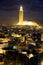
[22, 22]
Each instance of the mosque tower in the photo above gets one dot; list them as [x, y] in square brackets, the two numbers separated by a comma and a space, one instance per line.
[21, 15]
[29, 23]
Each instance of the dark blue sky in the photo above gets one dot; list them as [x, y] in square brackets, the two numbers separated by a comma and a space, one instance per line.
[33, 10]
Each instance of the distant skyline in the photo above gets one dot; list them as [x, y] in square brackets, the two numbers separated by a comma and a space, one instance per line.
[9, 10]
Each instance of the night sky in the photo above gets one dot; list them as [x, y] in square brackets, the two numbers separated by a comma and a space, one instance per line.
[9, 10]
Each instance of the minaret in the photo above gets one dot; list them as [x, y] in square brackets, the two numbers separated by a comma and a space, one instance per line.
[21, 15]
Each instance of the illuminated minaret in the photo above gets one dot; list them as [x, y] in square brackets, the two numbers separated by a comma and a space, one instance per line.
[21, 15]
